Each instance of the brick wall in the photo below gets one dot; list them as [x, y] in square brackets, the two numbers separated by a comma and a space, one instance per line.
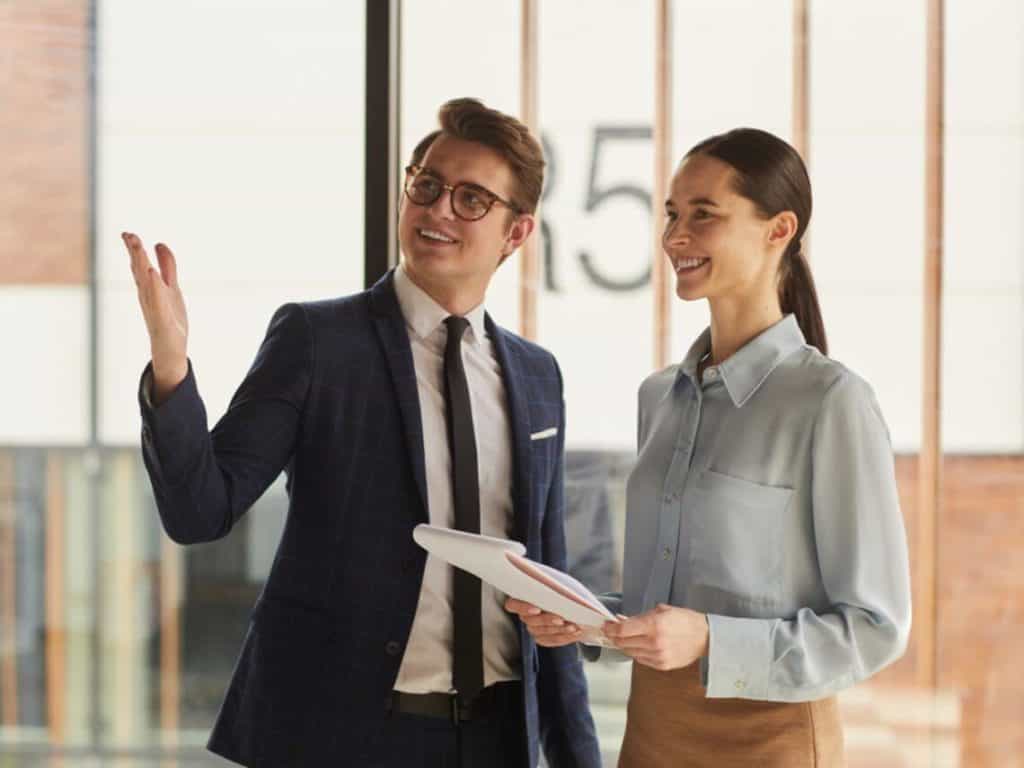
[980, 623]
[44, 142]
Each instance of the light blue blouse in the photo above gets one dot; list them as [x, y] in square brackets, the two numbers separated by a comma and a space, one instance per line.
[765, 496]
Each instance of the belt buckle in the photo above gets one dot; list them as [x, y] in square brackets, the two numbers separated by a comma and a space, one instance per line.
[461, 710]
[455, 708]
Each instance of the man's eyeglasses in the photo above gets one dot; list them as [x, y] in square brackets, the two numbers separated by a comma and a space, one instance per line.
[470, 202]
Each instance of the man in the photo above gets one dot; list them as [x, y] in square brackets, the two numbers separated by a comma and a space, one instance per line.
[400, 405]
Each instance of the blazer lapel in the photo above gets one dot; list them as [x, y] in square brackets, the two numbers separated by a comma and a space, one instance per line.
[394, 339]
[519, 420]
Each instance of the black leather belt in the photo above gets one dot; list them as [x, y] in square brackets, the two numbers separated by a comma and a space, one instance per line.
[493, 700]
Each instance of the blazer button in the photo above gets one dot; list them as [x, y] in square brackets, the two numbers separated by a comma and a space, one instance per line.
[147, 436]
[393, 648]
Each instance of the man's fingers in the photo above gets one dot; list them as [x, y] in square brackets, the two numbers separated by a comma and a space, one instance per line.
[547, 629]
[521, 607]
[146, 279]
[548, 622]
[137, 256]
[553, 629]
[534, 617]
[168, 265]
[557, 640]
[158, 299]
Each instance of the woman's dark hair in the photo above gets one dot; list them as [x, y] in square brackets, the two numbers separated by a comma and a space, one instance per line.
[770, 173]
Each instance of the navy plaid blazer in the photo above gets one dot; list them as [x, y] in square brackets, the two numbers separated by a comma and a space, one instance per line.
[331, 399]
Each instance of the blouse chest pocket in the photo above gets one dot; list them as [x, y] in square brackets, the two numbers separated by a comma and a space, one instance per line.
[736, 536]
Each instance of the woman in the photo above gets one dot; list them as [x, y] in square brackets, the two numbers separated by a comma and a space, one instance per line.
[766, 563]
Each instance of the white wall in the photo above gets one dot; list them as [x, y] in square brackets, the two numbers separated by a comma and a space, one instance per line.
[983, 318]
[44, 334]
[233, 131]
[867, 167]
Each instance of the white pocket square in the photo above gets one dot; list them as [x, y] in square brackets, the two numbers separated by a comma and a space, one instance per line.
[544, 433]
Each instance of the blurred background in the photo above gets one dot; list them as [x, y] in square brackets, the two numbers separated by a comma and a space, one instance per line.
[262, 139]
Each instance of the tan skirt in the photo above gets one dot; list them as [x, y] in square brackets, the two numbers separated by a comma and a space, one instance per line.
[670, 722]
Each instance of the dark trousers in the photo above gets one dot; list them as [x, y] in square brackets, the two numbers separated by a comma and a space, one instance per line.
[494, 740]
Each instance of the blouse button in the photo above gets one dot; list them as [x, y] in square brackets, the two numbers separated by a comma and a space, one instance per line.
[666, 553]
[711, 373]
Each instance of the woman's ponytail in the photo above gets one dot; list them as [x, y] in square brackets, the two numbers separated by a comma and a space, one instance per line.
[798, 296]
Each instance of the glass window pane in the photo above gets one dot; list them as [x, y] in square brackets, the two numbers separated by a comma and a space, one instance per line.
[595, 309]
[234, 132]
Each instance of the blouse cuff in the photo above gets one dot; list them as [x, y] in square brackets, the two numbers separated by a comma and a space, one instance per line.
[739, 658]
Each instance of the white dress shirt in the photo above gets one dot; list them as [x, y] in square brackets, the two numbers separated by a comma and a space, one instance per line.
[427, 663]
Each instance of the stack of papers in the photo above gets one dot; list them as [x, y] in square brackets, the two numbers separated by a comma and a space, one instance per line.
[503, 564]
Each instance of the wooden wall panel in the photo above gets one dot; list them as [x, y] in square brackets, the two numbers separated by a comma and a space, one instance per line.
[56, 598]
[8, 595]
[662, 277]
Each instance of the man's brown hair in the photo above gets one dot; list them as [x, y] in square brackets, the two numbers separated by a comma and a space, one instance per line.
[470, 120]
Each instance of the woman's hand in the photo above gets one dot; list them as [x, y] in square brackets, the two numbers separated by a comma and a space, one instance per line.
[548, 630]
[663, 639]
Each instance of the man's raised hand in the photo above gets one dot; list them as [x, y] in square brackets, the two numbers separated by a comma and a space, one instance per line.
[163, 308]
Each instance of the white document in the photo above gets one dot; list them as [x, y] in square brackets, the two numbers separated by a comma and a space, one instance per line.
[503, 564]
